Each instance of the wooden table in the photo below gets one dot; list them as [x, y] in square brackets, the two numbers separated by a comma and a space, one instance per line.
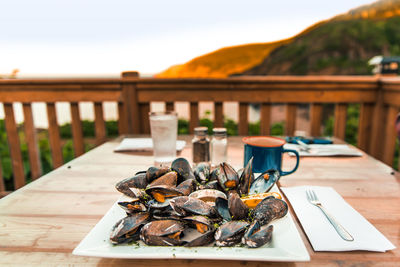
[44, 221]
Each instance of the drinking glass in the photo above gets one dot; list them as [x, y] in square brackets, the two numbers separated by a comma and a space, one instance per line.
[164, 130]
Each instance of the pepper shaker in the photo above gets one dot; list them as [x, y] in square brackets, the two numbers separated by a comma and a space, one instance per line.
[201, 145]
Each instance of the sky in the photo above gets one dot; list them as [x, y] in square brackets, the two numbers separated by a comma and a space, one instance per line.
[52, 38]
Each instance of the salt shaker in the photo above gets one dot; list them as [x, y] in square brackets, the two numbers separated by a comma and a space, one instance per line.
[219, 145]
[201, 145]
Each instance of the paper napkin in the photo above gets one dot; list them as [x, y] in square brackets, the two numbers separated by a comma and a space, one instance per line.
[325, 150]
[142, 144]
[320, 232]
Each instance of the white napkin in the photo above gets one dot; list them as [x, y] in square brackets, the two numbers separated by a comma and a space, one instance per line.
[320, 232]
[142, 144]
[327, 150]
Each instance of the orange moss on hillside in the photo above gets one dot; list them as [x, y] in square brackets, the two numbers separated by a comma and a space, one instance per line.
[223, 62]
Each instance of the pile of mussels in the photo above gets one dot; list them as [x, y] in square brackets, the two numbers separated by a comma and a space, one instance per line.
[167, 201]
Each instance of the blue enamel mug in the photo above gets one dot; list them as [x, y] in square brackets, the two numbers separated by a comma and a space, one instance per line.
[267, 152]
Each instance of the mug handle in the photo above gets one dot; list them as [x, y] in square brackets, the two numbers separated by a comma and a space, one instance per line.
[297, 161]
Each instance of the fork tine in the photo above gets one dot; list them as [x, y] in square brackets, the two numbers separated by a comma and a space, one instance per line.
[308, 195]
[314, 195]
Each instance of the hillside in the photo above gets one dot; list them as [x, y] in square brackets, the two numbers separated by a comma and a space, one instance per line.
[223, 62]
[341, 45]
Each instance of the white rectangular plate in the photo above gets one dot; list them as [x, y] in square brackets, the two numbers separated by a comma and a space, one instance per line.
[286, 244]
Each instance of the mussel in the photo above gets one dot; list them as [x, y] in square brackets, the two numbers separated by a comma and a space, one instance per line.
[268, 209]
[127, 229]
[222, 207]
[230, 233]
[201, 223]
[227, 176]
[182, 167]
[264, 182]
[256, 236]
[163, 233]
[132, 206]
[202, 172]
[153, 173]
[237, 208]
[161, 192]
[170, 178]
[187, 187]
[246, 178]
[186, 206]
[138, 181]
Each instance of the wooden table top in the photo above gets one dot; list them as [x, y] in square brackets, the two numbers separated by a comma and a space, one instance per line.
[44, 221]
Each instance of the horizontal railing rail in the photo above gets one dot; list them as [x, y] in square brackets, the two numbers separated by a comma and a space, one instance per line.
[378, 97]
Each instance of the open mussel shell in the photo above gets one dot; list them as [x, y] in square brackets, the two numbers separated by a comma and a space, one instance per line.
[230, 233]
[214, 174]
[202, 172]
[127, 229]
[138, 181]
[227, 176]
[246, 178]
[163, 233]
[133, 206]
[204, 239]
[256, 236]
[237, 208]
[153, 173]
[200, 223]
[165, 214]
[208, 195]
[210, 185]
[162, 192]
[182, 167]
[264, 182]
[270, 208]
[187, 187]
[186, 206]
[221, 205]
[170, 179]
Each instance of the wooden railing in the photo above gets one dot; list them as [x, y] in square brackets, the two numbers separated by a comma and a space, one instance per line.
[379, 98]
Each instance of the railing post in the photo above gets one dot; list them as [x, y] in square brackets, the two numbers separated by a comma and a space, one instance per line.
[339, 129]
[130, 102]
[389, 143]
[375, 146]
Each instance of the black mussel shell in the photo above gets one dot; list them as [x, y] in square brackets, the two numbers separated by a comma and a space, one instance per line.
[214, 174]
[270, 208]
[155, 205]
[230, 233]
[170, 179]
[163, 192]
[246, 178]
[163, 233]
[187, 187]
[138, 181]
[211, 185]
[264, 182]
[202, 172]
[153, 173]
[133, 206]
[221, 205]
[182, 167]
[227, 176]
[203, 240]
[186, 206]
[127, 229]
[256, 236]
[200, 223]
[237, 208]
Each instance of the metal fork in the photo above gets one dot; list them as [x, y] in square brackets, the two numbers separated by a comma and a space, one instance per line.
[313, 199]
